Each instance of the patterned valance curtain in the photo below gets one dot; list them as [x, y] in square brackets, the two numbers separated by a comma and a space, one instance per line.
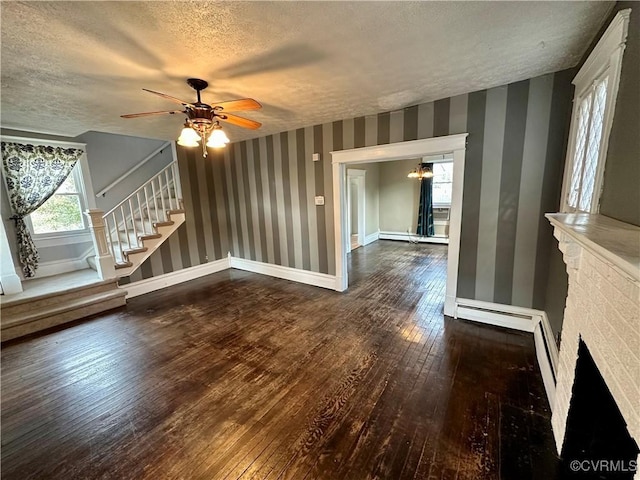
[425, 210]
[33, 173]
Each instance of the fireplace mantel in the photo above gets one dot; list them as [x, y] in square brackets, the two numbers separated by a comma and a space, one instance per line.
[602, 256]
[616, 242]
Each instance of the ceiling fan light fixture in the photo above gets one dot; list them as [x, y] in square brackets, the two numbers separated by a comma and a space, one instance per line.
[217, 138]
[188, 137]
[201, 127]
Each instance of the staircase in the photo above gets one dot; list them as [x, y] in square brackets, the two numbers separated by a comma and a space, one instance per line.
[139, 224]
[123, 238]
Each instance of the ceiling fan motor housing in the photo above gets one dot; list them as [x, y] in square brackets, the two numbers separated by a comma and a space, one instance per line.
[201, 114]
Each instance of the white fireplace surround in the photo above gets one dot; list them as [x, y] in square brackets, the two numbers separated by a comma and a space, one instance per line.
[603, 308]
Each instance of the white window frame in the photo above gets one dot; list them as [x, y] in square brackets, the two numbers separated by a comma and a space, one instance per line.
[443, 205]
[606, 58]
[76, 173]
[87, 198]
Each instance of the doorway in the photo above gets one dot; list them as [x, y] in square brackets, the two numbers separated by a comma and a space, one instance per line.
[451, 144]
[356, 207]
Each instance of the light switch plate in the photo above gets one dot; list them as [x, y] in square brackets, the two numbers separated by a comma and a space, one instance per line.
[320, 200]
[316, 158]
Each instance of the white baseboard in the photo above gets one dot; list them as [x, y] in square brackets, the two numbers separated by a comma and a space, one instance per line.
[287, 273]
[508, 316]
[371, 238]
[410, 237]
[48, 269]
[548, 377]
[169, 279]
[58, 267]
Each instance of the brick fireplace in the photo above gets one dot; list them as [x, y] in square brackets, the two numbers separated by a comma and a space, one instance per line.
[602, 309]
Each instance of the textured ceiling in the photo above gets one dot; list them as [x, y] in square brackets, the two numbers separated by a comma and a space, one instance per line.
[69, 67]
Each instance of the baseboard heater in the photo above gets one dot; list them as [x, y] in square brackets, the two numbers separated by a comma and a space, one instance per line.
[502, 317]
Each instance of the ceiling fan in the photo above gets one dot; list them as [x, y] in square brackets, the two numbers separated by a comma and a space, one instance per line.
[202, 122]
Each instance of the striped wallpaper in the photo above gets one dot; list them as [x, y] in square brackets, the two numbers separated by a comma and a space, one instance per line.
[256, 199]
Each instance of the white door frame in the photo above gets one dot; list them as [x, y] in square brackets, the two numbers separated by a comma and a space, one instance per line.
[401, 151]
[357, 176]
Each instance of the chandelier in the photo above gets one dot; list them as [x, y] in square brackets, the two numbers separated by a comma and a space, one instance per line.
[420, 172]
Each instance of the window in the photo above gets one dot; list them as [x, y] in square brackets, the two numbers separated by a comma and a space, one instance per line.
[442, 177]
[62, 212]
[593, 106]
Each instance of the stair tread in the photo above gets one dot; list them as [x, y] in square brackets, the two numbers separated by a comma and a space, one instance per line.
[8, 302]
[131, 251]
[9, 321]
[146, 229]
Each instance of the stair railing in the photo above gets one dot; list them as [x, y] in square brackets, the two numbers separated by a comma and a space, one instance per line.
[150, 203]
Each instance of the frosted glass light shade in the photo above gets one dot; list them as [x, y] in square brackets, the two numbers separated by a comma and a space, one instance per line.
[218, 139]
[188, 137]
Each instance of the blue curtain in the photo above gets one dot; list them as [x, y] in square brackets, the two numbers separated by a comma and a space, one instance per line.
[425, 210]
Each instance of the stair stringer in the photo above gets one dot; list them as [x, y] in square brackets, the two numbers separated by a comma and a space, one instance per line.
[150, 245]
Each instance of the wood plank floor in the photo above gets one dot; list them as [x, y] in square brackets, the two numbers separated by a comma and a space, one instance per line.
[238, 375]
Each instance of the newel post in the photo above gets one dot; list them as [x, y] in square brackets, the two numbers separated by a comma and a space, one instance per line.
[105, 263]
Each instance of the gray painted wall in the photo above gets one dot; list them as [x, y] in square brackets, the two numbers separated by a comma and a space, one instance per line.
[399, 196]
[257, 201]
[109, 156]
[621, 191]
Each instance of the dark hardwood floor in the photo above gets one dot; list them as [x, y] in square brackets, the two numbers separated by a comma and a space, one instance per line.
[238, 375]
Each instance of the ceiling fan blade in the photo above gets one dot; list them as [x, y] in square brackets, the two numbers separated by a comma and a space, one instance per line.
[169, 97]
[240, 121]
[147, 114]
[238, 105]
